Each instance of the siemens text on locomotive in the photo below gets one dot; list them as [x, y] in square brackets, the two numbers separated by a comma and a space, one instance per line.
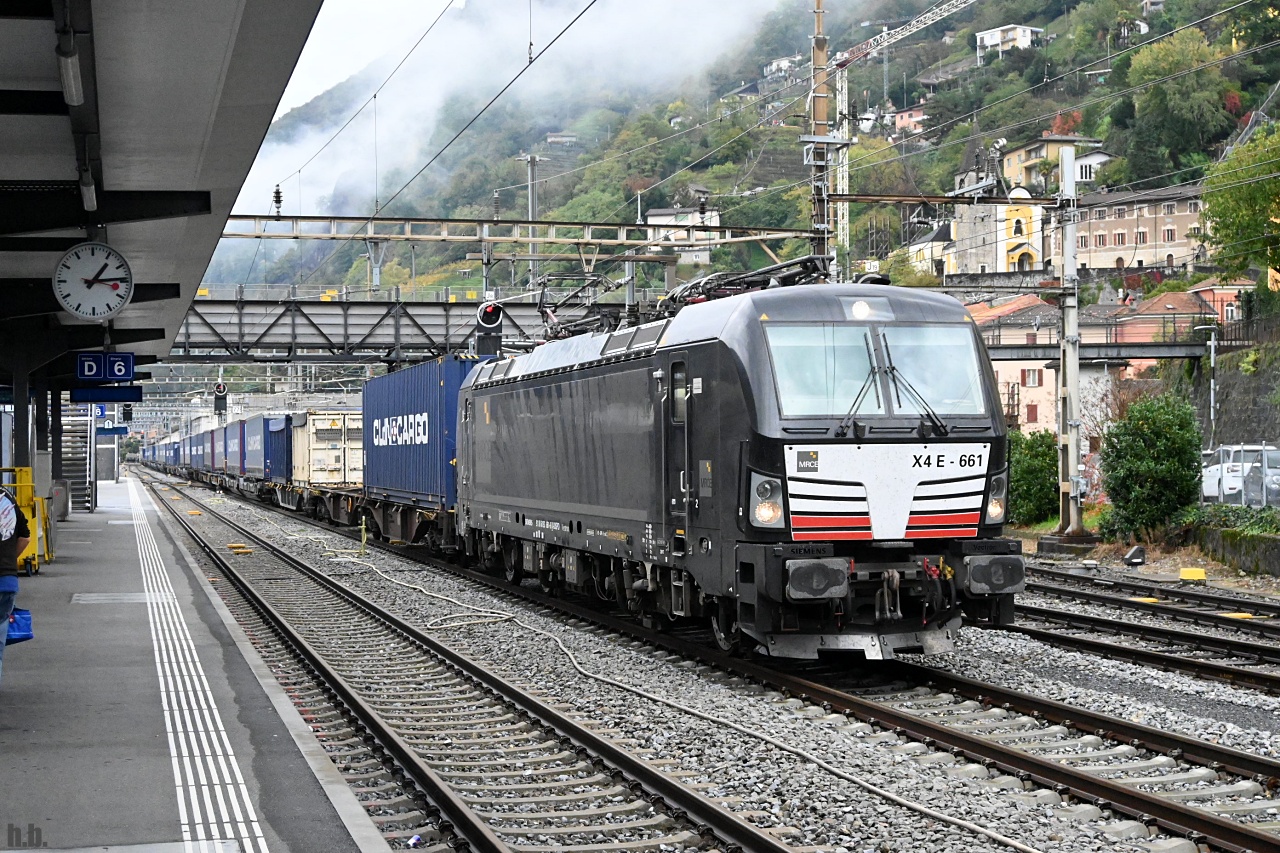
[807, 469]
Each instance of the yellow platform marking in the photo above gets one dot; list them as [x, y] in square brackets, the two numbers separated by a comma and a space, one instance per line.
[1146, 600]
[1191, 574]
[1240, 615]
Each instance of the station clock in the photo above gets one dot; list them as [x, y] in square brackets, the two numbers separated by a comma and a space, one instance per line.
[93, 281]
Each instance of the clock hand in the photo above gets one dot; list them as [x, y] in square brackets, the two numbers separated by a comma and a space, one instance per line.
[91, 282]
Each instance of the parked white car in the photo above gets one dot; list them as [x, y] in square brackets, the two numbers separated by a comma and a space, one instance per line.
[1223, 474]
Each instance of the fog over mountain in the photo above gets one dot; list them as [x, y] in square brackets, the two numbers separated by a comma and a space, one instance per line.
[618, 47]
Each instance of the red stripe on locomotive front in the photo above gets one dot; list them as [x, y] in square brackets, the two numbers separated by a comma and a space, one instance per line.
[945, 518]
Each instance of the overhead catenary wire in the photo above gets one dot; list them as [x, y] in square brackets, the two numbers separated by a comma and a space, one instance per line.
[1240, 54]
[709, 122]
[445, 8]
[456, 136]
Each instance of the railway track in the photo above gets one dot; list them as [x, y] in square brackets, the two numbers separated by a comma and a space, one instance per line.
[1246, 615]
[1083, 764]
[500, 768]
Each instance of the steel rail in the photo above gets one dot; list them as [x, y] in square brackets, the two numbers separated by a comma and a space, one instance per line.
[1264, 771]
[1172, 611]
[1170, 816]
[1238, 675]
[697, 808]
[1263, 653]
[466, 822]
[1169, 591]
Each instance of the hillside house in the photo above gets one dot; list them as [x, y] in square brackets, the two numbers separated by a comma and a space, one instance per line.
[1006, 38]
[928, 251]
[1137, 229]
[1223, 297]
[1022, 165]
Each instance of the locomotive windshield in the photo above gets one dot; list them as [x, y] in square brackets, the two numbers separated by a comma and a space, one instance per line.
[824, 369]
[940, 363]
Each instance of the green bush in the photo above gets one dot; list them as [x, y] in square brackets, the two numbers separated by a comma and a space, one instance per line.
[1246, 519]
[1151, 465]
[1033, 477]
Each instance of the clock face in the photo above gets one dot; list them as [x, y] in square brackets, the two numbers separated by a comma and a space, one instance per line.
[93, 281]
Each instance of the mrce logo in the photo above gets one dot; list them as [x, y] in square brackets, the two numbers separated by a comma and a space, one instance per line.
[807, 460]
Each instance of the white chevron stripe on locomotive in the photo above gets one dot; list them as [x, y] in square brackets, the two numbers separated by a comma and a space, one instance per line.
[903, 483]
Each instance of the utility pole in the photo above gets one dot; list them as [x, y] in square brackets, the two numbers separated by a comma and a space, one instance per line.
[819, 142]
[1070, 471]
[532, 160]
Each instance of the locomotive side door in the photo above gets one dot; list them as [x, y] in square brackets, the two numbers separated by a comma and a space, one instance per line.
[676, 471]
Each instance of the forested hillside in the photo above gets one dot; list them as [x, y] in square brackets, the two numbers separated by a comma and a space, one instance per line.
[1163, 102]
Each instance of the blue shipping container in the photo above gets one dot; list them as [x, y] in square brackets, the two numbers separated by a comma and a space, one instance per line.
[255, 447]
[235, 448]
[199, 451]
[278, 462]
[410, 432]
[218, 461]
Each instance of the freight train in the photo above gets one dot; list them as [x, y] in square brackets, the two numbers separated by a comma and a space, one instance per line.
[806, 469]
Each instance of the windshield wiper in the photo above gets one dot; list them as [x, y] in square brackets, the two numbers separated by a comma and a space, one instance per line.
[939, 428]
[842, 428]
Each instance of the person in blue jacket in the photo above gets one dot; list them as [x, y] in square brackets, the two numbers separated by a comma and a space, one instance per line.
[14, 537]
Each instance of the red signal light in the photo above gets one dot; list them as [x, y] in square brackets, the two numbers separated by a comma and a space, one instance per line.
[490, 315]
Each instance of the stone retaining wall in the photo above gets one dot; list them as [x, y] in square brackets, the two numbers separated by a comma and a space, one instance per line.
[1255, 553]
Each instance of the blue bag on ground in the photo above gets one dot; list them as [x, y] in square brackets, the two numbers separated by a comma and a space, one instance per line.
[19, 627]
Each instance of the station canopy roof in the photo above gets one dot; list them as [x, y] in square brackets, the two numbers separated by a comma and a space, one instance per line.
[174, 100]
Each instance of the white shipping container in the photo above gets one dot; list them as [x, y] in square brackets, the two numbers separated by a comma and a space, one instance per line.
[328, 448]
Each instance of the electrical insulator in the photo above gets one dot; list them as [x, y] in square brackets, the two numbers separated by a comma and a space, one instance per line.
[496, 205]
[702, 205]
[489, 316]
[277, 198]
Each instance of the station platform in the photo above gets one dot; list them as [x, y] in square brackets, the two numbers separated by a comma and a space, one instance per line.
[140, 720]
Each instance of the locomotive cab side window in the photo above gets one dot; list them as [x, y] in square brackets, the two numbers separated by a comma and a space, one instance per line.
[679, 392]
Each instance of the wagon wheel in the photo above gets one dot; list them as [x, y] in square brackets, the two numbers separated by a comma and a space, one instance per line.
[511, 558]
[725, 629]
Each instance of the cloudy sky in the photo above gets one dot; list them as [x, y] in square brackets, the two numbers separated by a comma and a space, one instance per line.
[657, 42]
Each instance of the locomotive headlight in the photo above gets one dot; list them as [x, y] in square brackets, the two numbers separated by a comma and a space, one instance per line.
[766, 501]
[996, 499]
[768, 513]
[860, 310]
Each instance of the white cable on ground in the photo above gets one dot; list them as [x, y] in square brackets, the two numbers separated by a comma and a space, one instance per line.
[485, 616]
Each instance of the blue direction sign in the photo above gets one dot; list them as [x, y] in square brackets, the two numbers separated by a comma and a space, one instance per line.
[120, 430]
[91, 366]
[119, 367]
[107, 394]
[104, 366]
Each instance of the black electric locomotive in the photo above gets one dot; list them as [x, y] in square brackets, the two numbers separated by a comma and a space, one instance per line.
[810, 469]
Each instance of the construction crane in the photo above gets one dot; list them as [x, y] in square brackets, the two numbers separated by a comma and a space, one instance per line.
[884, 51]
[841, 63]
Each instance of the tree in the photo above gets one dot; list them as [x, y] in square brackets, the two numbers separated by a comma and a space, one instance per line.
[1186, 112]
[1033, 476]
[1242, 204]
[1151, 464]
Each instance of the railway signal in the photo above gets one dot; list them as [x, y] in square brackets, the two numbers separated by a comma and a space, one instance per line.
[489, 316]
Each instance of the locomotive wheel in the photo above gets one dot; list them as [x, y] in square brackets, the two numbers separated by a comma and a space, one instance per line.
[511, 563]
[725, 629]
